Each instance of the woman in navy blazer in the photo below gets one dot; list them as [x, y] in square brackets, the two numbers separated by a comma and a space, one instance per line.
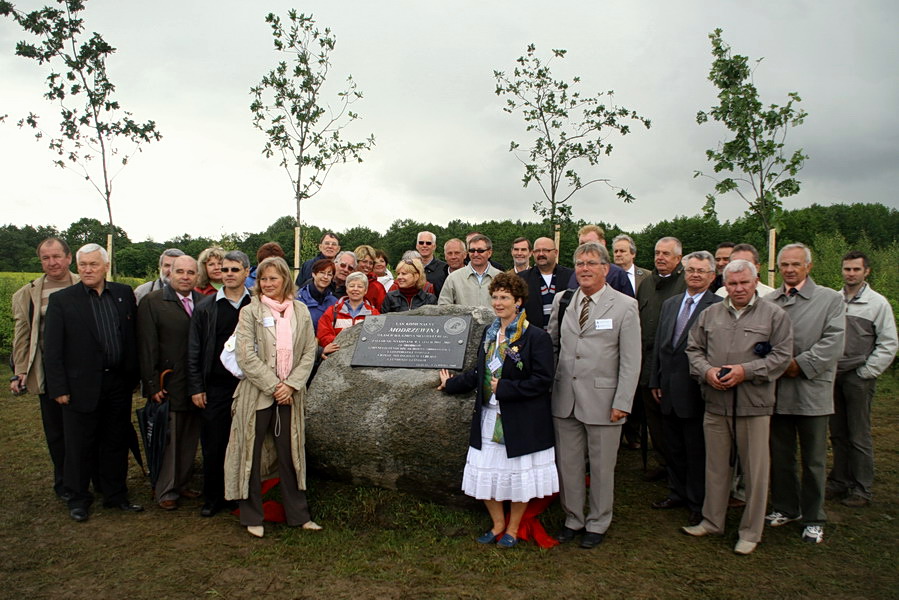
[511, 454]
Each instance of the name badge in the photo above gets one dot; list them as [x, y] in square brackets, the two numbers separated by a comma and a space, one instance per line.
[495, 364]
[268, 321]
[603, 323]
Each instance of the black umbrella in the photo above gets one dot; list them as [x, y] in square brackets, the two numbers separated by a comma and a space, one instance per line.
[153, 421]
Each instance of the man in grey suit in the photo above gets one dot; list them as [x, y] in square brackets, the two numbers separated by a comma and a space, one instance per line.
[804, 394]
[597, 348]
[677, 393]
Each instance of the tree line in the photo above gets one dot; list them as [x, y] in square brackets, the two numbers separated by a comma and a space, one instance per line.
[871, 226]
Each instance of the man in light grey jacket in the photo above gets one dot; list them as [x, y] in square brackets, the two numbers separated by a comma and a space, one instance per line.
[870, 348]
[804, 394]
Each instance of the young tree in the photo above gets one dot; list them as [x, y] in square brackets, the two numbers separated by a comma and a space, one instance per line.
[95, 133]
[759, 168]
[568, 129]
[288, 106]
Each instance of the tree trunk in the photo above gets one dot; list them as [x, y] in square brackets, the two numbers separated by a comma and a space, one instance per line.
[557, 235]
[772, 255]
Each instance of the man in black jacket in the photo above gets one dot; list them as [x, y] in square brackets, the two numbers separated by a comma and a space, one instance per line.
[209, 384]
[545, 279]
[665, 281]
[90, 365]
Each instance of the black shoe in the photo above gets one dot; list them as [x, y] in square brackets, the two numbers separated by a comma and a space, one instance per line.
[65, 496]
[657, 474]
[695, 518]
[591, 540]
[126, 506]
[566, 534]
[210, 509]
[79, 515]
[668, 502]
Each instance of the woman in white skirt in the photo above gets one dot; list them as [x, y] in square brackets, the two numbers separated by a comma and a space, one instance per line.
[511, 455]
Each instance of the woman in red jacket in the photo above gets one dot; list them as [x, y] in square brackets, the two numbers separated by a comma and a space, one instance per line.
[351, 309]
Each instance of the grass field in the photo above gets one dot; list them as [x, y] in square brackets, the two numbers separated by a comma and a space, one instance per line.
[383, 544]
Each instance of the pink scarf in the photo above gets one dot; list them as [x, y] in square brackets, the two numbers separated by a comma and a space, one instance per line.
[282, 312]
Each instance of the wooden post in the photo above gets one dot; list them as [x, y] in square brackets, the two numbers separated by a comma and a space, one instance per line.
[557, 236]
[111, 271]
[772, 255]
[296, 251]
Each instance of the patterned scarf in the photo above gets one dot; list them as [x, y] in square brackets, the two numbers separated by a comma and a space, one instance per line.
[512, 333]
[282, 312]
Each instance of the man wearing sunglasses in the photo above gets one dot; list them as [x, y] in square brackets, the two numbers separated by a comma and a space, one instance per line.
[468, 286]
[435, 269]
[210, 385]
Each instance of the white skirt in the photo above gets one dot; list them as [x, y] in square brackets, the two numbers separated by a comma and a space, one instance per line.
[491, 475]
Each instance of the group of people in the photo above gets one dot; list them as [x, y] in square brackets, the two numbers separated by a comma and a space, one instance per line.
[729, 378]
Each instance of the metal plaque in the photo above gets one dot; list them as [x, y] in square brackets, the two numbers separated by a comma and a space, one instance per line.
[400, 341]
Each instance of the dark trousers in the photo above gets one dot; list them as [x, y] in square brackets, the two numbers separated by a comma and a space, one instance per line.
[685, 441]
[51, 417]
[100, 438]
[216, 430]
[788, 495]
[850, 436]
[653, 416]
[294, 500]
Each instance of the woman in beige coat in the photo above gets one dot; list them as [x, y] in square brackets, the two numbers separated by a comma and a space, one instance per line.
[275, 348]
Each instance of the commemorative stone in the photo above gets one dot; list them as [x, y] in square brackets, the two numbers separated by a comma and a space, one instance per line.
[389, 426]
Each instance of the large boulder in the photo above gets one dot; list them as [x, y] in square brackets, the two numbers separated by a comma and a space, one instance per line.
[390, 427]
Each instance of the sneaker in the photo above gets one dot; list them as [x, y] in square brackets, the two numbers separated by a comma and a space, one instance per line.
[813, 534]
[776, 519]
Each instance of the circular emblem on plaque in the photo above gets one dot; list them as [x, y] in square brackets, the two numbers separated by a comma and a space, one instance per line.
[374, 324]
[454, 326]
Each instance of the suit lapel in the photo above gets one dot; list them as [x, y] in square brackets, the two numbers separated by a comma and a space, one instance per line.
[700, 306]
[83, 306]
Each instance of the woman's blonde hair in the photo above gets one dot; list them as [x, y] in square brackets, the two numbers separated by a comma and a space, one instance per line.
[205, 255]
[414, 264]
[289, 289]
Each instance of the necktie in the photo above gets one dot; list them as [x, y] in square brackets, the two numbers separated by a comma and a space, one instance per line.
[187, 307]
[793, 291]
[585, 312]
[681, 322]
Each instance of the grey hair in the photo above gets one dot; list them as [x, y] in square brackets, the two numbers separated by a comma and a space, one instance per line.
[238, 256]
[808, 253]
[410, 254]
[628, 239]
[88, 248]
[433, 236]
[700, 255]
[171, 253]
[668, 239]
[593, 248]
[739, 265]
[357, 275]
[345, 253]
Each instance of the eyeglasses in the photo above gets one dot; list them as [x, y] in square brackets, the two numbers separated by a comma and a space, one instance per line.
[232, 269]
[543, 250]
[478, 250]
[421, 243]
[408, 261]
[697, 271]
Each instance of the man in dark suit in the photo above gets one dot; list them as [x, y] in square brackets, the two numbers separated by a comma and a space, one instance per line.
[665, 281]
[677, 393]
[163, 325]
[545, 279]
[624, 251]
[435, 269]
[90, 365]
[616, 277]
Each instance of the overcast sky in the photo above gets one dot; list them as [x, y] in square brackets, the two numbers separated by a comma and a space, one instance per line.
[426, 71]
